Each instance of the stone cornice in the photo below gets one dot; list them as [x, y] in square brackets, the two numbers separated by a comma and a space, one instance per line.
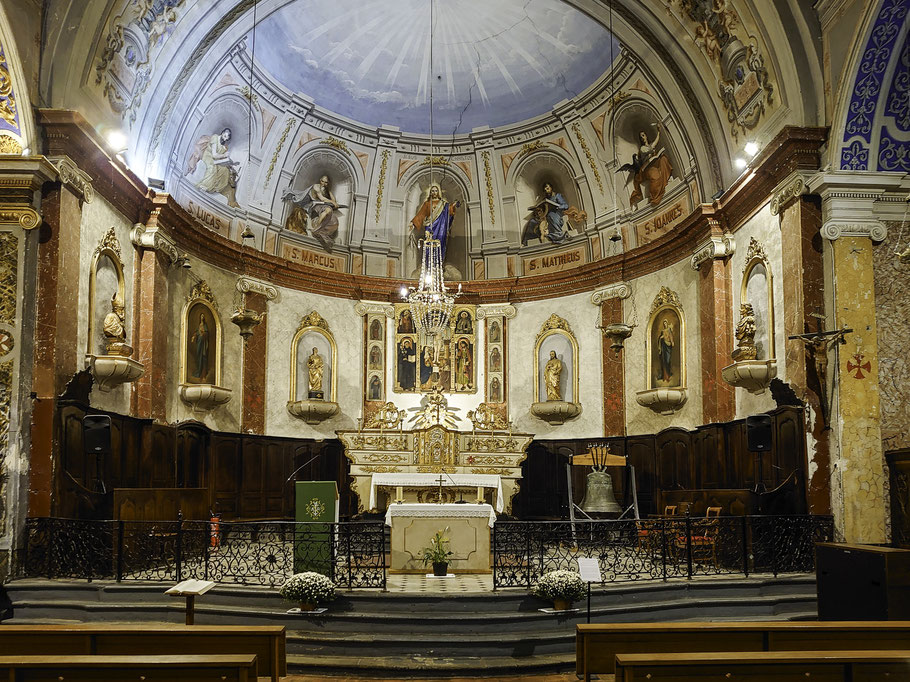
[74, 178]
[855, 203]
[716, 246]
[245, 285]
[68, 133]
[618, 290]
[363, 308]
[496, 310]
[144, 237]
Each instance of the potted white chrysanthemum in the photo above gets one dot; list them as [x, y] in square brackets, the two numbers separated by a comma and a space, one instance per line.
[560, 587]
[308, 589]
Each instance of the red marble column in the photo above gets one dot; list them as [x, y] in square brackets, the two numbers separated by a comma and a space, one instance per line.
[716, 321]
[613, 375]
[151, 330]
[803, 294]
[56, 324]
[254, 358]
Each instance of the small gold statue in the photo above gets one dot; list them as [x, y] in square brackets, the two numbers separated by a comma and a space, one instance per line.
[315, 367]
[551, 374]
[114, 329]
[745, 334]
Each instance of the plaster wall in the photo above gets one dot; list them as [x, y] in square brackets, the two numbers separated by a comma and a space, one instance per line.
[98, 216]
[682, 279]
[764, 228]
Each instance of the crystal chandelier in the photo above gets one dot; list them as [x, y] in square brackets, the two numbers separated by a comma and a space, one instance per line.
[430, 301]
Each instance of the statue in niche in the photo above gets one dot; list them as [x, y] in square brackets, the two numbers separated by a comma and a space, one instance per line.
[550, 218]
[221, 174]
[200, 344]
[464, 325]
[464, 365]
[114, 328]
[495, 332]
[315, 367]
[435, 216]
[649, 167]
[745, 334]
[495, 390]
[321, 209]
[552, 372]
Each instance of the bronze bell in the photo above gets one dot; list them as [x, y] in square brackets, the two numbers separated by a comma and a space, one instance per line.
[599, 494]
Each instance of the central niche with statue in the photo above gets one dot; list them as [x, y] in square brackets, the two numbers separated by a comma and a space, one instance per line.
[314, 371]
[556, 359]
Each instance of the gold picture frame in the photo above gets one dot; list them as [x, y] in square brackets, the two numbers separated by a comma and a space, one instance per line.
[666, 318]
[201, 304]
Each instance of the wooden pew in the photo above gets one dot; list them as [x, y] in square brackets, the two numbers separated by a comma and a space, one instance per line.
[765, 666]
[236, 668]
[597, 644]
[266, 642]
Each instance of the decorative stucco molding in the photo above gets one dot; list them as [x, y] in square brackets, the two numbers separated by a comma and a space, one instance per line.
[374, 308]
[618, 290]
[834, 229]
[790, 189]
[715, 247]
[506, 310]
[246, 285]
[73, 177]
[155, 239]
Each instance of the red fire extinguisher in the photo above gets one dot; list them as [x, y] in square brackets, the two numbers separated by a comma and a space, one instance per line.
[215, 533]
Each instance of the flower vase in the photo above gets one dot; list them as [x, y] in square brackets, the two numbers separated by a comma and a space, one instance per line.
[307, 606]
[440, 568]
[561, 605]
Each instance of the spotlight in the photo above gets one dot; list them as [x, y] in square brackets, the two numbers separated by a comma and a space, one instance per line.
[718, 194]
[404, 292]
[155, 183]
[751, 148]
[117, 140]
[247, 233]
[740, 163]
[184, 261]
[616, 236]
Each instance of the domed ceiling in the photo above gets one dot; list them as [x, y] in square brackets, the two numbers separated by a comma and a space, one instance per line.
[495, 63]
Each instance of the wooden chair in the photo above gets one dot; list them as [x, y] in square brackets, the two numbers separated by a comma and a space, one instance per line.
[649, 531]
[704, 538]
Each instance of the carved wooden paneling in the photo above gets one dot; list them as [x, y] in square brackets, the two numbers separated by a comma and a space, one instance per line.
[899, 471]
[674, 459]
[226, 475]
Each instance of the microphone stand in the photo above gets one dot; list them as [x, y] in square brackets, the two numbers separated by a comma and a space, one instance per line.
[294, 473]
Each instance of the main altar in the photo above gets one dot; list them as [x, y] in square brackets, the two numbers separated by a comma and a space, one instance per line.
[435, 477]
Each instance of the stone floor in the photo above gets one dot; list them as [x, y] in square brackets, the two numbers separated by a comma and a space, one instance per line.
[458, 583]
[552, 677]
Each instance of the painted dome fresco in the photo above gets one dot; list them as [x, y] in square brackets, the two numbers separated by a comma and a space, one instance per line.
[495, 63]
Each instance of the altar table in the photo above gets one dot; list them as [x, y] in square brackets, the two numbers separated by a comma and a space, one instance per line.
[432, 480]
[467, 526]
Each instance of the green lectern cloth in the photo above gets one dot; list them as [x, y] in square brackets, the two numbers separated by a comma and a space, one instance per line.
[316, 509]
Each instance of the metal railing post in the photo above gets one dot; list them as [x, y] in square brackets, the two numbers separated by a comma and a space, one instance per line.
[689, 545]
[528, 549]
[663, 547]
[493, 552]
[120, 550]
[745, 540]
[179, 548]
[774, 546]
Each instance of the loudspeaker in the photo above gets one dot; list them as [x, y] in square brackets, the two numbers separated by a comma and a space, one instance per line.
[96, 434]
[758, 433]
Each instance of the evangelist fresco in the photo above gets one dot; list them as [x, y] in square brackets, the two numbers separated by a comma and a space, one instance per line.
[315, 211]
[220, 170]
[551, 218]
[649, 169]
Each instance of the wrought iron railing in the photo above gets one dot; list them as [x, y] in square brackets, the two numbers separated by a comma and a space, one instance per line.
[244, 553]
[658, 549]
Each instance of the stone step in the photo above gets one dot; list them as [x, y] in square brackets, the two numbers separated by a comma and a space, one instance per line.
[472, 667]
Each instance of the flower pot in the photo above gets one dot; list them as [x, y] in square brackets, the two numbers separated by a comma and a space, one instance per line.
[561, 605]
[307, 606]
[440, 568]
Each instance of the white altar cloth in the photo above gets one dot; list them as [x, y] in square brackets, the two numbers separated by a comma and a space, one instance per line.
[442, 511]
[431, 480]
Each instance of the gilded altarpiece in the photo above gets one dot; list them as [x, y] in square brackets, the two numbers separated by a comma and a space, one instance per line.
[9, 282]
[374, 358]
[451, 365]
[385, 447]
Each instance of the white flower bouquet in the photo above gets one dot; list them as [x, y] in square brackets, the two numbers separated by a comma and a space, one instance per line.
[308, 588]
[566, 585]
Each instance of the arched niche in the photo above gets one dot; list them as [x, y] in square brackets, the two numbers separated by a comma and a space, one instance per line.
[556, 364]
[634, 118]
[665, 355]
[312, 166]
[222, 184]
[459, 242]
[107, 299]
[313, 333]
[757, 289]
[531, 174]
[202, 338]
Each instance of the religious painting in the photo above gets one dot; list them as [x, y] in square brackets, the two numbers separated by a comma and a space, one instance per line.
[374, 357]
[666, 342]
[406, 364]
[556, 362]
[320, 208]
[495, 394]
[220, 173]
[313, 361]
[201, 345]
[551, 217]
[495, 363]
[463, 323]
[464, 364]
[405, 323]
[495, 360]
[434, 206]
[495, 332]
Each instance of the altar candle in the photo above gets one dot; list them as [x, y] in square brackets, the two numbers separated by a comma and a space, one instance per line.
[480, 494]
[399, 494]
